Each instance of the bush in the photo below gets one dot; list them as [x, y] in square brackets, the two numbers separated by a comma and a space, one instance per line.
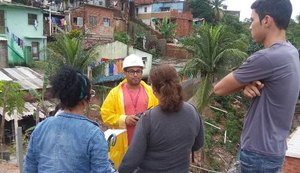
[74, 33]
[122, 37]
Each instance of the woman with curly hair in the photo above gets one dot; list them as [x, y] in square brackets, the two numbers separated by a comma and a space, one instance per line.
[68, 142]
[166, 134]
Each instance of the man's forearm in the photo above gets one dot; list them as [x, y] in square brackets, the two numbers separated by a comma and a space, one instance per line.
[227, 85]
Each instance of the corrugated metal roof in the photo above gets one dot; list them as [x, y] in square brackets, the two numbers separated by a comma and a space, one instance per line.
[29, 109]
[1, 38]
[26, 77]
[18, 5]
[99, 80]
[293, 144]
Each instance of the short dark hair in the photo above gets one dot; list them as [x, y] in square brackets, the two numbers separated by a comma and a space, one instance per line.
[70, 87]
[165, 81]
[279, 10]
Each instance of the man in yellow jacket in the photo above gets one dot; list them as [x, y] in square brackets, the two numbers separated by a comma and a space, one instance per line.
[131, 97]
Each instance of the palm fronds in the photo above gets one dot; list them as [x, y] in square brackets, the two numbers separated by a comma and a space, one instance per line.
[214, 52]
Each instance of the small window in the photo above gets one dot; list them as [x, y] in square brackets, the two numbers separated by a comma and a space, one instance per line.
[145, 9]
[106, 22]
[164, 8]
[35, 50]
[32, 19]
[78, 21]
[122, 6]
[93, 20]
[144, 60]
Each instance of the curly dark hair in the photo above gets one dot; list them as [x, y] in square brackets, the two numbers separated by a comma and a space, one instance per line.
[70, 87]
[165, 81]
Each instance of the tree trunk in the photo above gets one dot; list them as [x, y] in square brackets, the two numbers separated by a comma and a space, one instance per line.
[2, 126]
[2, 138]
[37, 117]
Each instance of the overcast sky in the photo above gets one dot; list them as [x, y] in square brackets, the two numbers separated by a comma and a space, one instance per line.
[244, 7]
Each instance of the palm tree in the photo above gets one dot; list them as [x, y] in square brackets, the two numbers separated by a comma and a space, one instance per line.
[214, 52]
[217, 8]
[71, 51]
[67, 49]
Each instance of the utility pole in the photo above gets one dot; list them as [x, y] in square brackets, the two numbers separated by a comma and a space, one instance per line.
[50, 21]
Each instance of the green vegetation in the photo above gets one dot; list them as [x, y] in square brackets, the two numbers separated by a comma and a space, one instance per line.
[74, 33]
[217, 9]
[166, 28]
[11, 99]
[201, 9]
[214, 53]
[121, 37]
[70, 51]
[293, 33]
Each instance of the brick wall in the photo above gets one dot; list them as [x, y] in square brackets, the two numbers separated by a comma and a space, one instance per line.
[3, 54]
[183, 20]
[183, 27]
[98, 30]
[291, 165]
[174, 51]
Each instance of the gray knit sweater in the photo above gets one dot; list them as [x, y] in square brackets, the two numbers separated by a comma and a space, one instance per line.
[162, 141]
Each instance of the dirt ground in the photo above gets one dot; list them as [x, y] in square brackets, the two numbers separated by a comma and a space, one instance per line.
[6, 167]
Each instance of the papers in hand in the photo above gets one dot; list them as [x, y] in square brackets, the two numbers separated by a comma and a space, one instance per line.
[117, 132]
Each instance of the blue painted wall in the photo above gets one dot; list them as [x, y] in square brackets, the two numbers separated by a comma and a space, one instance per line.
[173, 6]
[20, 34]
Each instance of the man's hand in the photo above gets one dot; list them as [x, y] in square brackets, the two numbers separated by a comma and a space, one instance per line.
[131, 120]
[253, 89]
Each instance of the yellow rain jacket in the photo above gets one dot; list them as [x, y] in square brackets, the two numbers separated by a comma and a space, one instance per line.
[113, 115]
[112, 110]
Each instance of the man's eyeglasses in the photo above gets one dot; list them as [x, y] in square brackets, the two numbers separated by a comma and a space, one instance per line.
[132, 72]
[92, 93]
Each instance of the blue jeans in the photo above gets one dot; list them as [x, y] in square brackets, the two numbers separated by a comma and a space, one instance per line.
[258, 163]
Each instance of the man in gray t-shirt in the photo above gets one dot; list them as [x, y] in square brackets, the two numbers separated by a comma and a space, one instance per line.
[271, 77]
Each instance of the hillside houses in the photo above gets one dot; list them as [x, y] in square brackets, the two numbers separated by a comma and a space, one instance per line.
[25, 30]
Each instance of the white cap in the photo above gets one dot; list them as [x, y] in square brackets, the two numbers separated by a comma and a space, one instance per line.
[133, 61]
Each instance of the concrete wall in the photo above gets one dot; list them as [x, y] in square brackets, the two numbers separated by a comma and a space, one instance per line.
[118, 50]
[141, 9]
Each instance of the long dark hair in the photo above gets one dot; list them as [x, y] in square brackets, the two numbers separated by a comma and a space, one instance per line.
[70, 87]
[165, 81]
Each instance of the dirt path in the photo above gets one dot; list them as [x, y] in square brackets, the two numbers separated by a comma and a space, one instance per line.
[8, 168]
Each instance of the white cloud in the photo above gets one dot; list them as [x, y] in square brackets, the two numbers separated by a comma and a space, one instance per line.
[244, 7]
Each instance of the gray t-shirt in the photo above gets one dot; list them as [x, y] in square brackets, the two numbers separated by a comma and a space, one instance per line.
[270, 115]
[162, 141]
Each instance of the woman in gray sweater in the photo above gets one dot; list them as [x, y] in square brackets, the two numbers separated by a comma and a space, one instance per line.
[165, 135]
